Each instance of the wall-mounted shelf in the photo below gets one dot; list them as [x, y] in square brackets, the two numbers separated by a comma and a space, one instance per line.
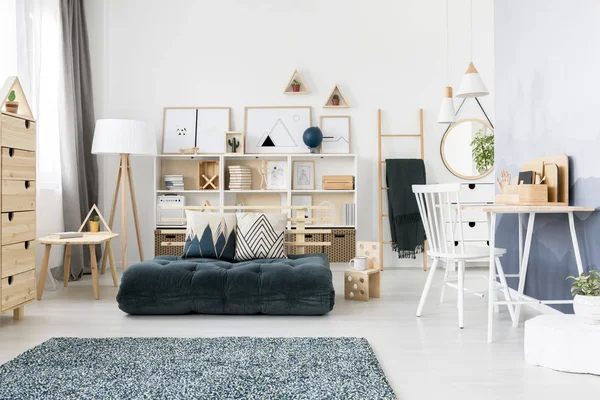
[342, 100]
[298, 78]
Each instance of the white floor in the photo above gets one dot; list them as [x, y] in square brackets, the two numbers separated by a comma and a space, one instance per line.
[423, 358]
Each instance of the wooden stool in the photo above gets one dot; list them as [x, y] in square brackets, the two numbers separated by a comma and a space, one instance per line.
[361, 285]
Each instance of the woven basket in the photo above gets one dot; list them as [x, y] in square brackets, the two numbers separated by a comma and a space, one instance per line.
[343, 244]
[160, 237]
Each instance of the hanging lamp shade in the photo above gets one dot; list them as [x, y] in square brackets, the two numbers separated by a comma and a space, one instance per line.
[472, 85]
[447, 114]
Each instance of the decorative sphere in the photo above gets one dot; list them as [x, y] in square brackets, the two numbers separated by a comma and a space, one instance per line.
[312, 137]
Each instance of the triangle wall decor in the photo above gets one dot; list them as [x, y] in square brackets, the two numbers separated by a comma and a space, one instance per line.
[296, 85]
[336, 99]
[12, 83]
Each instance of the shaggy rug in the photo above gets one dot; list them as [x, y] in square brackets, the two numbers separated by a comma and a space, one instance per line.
[198, 368]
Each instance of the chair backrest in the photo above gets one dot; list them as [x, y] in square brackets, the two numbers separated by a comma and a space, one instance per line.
[439, 206]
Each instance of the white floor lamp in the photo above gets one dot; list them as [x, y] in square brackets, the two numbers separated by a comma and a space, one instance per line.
[124, 137]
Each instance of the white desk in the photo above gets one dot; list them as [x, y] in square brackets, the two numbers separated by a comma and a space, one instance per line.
[492, 210]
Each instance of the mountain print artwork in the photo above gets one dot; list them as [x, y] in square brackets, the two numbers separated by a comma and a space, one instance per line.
[210, 235]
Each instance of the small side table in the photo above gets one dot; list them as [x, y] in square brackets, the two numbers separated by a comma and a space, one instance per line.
[90, 239]
[361, 285]
[563, 343]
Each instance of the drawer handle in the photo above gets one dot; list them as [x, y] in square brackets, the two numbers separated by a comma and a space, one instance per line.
[10, 280]
[27, 184]
[472, 186]
[26, 245]
[339, 236]
[27, 124]
[10, 216]
[308, 236]
[169, 236]
[455, 243]
[471, 224]
[11, 152]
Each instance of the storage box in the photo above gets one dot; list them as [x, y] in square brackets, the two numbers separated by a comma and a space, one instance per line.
[343, 244]
[523, 194]
[338, 182]
[308, 237]
[165, 250]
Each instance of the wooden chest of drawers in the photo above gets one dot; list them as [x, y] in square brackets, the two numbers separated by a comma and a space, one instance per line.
[18, 203]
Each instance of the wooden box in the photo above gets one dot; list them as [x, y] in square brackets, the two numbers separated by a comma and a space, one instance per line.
[361, 285]
[338, 182]
[208, 175]
[524, 195]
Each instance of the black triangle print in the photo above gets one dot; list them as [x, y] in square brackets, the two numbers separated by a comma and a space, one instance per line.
[268, 142]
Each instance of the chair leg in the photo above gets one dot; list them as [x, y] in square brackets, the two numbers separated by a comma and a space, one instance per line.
[427, 286]
[461, 293]
[446, 274]
[506, 290]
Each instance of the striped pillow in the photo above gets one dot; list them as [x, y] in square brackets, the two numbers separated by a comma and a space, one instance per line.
[260, 236]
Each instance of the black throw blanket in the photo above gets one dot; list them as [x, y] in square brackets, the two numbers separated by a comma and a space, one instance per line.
[407, 229]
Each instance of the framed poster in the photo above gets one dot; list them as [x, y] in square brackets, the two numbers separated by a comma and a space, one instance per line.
[276, 129]
[303, 175]
[336, 134]
[195, 127]
[276, 174]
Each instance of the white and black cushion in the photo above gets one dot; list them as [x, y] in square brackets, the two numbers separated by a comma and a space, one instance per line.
[260, 236]
[210, 235]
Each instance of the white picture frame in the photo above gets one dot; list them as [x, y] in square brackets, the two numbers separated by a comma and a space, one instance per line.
[303, 175]
[276, 175]
[303, 200]
[276, 129]
[336, 134]
[199, 128]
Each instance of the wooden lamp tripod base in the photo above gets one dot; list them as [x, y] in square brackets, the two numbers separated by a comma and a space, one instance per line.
[123, 177]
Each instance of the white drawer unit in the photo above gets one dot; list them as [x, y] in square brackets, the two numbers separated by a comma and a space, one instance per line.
[472, 231]
[475, 226]
[477, 192]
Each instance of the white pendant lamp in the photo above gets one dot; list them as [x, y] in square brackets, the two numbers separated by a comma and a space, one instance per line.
[471, 85]
[447, 114]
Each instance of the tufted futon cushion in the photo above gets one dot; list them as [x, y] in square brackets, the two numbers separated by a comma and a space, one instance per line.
[299, 285]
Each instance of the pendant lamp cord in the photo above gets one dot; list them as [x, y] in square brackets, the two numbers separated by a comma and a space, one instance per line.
[447, 45]
[471, 34]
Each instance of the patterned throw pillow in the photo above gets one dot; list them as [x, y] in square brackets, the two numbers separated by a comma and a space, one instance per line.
[260, 236]
[210, 235]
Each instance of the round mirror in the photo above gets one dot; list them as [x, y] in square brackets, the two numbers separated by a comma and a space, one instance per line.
[468, 148]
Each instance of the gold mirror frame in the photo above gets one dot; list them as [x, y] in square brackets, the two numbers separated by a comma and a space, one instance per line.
[470, 178]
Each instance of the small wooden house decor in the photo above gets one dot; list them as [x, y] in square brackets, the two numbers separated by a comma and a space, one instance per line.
[296, 85]
[7, 106]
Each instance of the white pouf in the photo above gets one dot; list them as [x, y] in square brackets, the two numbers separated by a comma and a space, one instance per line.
[564, 343]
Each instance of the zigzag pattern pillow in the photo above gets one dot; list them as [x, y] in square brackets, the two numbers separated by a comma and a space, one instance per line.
[210, 235]
[260, 236]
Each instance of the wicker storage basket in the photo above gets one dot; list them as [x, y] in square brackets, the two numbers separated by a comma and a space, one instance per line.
[308, 237]
[160, 237]
[343, 244]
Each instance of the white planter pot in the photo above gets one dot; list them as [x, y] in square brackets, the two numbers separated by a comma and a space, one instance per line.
[588, 308]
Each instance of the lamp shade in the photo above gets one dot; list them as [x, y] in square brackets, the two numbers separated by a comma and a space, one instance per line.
[123, 136]
[471, 84]
[447, 114]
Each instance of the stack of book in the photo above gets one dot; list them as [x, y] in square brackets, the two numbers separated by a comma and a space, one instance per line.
[173, 182]
[349, 214]
[240, 177]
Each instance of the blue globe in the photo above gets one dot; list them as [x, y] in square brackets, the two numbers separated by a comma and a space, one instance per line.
[312, 137]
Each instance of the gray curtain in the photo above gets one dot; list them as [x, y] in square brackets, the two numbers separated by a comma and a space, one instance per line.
[79, 171]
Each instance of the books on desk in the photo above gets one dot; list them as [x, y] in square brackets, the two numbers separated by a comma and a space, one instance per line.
[66, 235]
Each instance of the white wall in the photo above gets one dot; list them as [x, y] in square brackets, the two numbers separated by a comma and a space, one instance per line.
[148, 54]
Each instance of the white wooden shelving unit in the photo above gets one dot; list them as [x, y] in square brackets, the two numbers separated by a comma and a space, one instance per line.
[325, 164]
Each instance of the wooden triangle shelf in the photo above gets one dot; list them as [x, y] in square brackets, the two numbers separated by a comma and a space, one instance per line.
[296, 78]
[24, 111]
[335, 92]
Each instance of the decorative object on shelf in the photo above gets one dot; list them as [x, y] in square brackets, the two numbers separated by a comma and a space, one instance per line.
[371, 251]
[276, 129]
[306, 201]
[326, 212]
[210, 235]
[208, 175]
[191, 150]
[359, 263]
[174, 182]
[233, 141]
[240, 177]
[296, 85]
[463, 153]
[550, 177]
[312, 138]
[124, 137]
[336, 99]
[349, 214]
[163, 215]
[447, 114]
[471, 85]
[586, 289]
[94, 223]
[338, 182]
[336, 134]
[303, 176]
[276, 175]
[262, 170]
[9, 93]
[199, 128]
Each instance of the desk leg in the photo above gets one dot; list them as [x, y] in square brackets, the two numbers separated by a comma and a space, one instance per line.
[493, 295]
[67, 265]
[43, 272]
[94, 267]
[575, 243]
[520, 239]
[523, 267]
[111, 258]
[492, 275]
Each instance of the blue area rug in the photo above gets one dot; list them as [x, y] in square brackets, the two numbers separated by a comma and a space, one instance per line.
[198, 368]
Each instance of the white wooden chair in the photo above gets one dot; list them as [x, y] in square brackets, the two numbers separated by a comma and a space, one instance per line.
[439, 206]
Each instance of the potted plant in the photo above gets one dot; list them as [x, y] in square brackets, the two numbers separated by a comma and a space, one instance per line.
[295, 86]
[95, 223]
[483, 151]
[12, 106]
[335, 100]
[586, 289]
